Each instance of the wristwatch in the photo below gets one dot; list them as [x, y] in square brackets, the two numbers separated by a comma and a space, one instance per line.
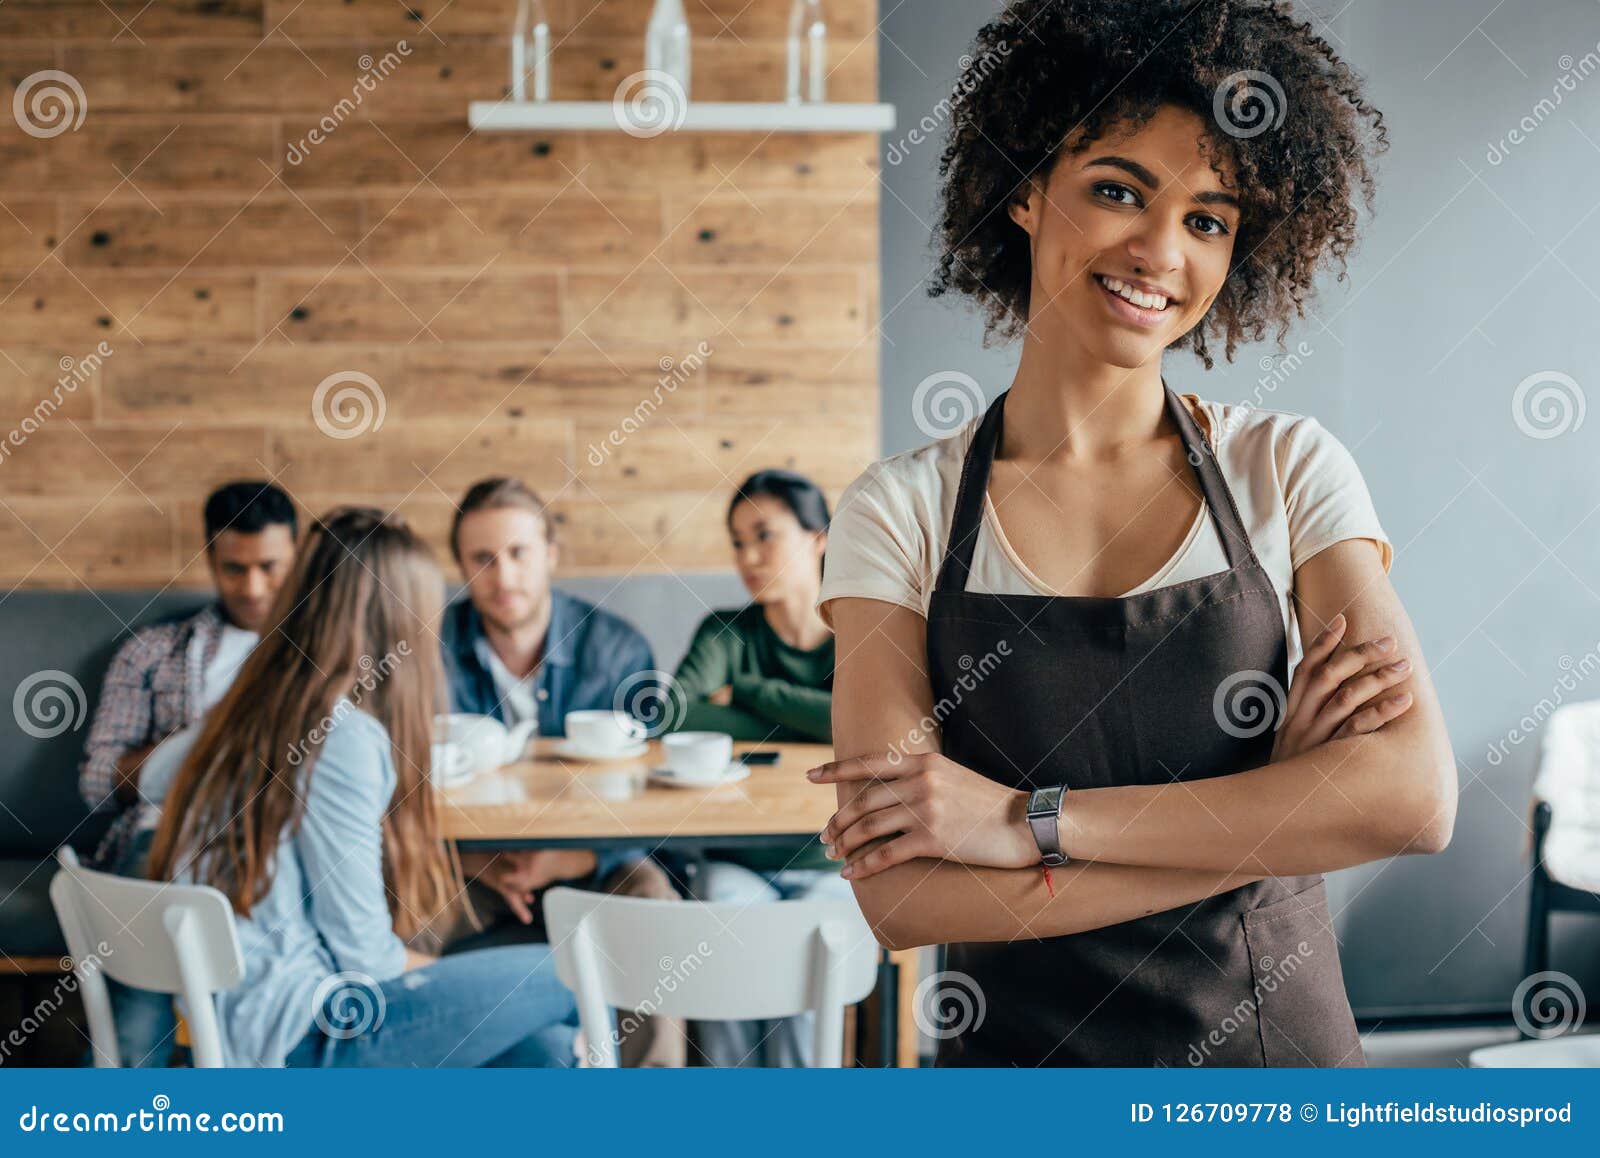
[1044, 818]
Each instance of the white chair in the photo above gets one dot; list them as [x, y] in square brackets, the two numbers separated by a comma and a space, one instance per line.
[1571, 1052]
[1565, 875]
[710, 962]
[151, 935]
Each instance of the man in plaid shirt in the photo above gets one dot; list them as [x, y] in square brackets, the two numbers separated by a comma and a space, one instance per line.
[166, 676]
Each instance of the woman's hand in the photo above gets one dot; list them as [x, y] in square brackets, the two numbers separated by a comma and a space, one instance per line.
[1340, 693]
[931, 807]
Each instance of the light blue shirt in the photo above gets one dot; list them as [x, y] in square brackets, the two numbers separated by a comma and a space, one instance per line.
[326, 912]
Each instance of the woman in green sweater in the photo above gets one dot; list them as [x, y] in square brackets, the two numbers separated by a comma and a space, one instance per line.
[765, 673]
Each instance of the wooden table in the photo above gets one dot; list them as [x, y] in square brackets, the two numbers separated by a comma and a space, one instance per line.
[554, 802]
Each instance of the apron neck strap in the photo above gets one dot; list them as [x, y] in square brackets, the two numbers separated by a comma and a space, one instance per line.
[1218, 496]
[974, 486]
[968, 517]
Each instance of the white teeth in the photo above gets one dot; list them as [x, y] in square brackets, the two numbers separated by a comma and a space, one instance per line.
[1123, 290]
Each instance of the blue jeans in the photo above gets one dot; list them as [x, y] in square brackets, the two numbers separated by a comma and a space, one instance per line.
[147, 1026]
[489, 1007]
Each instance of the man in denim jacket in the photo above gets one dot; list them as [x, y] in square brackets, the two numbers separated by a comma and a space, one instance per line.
[516, 649]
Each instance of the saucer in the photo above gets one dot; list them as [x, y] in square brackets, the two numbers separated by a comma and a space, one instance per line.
[735, 772]
[566, 750]
[445, 783]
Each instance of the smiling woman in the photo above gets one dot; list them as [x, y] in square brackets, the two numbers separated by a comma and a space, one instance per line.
[1132, 178]
[1277, 148]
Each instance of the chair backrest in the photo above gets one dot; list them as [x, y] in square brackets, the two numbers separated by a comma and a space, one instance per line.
[1569, 761]
[1570, 1052]
[152, 935]
[1569, 781]
[710, 962]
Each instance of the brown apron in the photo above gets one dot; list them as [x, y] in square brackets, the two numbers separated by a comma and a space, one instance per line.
[1094, 692]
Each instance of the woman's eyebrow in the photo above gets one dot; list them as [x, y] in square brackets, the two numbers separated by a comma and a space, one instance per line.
[1138, 171]
[1148, 179]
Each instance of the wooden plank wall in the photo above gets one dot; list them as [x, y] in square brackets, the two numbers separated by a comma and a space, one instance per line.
[515, 297]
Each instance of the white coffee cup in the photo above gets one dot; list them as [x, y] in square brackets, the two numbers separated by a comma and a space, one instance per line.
[697, 755]
[603, 733]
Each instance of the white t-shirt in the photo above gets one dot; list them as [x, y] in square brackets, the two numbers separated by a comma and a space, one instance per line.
[234, 645]
[518, 697]
[1297, 488]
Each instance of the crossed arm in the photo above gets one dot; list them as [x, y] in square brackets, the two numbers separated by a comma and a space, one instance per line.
[958, 864]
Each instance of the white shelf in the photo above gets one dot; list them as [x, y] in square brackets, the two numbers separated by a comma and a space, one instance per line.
[699, 117]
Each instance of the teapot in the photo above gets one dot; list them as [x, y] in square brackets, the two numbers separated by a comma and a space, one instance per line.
[466, 744]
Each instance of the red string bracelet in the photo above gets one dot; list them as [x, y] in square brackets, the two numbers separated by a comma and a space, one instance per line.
[1048, 882]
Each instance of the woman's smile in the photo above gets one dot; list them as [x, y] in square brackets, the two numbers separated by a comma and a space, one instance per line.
[1145, 310]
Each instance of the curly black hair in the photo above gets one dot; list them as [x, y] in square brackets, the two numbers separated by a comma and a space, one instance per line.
[1048, 77]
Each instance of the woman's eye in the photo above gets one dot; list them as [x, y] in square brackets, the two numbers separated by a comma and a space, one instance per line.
[1113, 191]
[1220, 227]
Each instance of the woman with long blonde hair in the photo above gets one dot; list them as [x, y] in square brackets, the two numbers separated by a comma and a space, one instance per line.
[305, 798]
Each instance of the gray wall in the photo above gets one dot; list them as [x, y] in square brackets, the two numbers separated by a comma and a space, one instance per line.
[666, 608]
[1473, 275]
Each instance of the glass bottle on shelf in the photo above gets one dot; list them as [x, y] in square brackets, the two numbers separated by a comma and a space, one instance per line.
[808, 53]
[666, 42]
[530, 51]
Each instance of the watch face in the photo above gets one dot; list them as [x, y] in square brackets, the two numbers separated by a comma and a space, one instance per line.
[1044, 801]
